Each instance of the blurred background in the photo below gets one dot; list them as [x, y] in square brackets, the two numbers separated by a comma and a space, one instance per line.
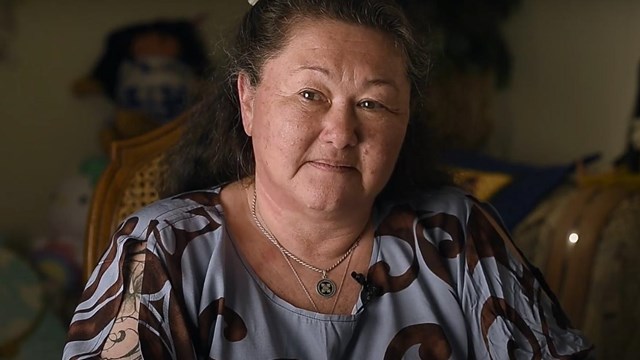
[523, 90]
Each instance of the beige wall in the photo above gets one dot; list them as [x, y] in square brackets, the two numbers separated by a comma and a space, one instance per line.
[47, 132]
[574, 80]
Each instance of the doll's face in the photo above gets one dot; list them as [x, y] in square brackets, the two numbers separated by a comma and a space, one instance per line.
[155, 82]
[153, 44]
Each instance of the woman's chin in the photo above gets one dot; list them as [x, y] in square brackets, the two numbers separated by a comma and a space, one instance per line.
[333, 200]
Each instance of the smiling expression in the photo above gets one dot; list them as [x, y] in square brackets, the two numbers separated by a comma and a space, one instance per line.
[328, 116]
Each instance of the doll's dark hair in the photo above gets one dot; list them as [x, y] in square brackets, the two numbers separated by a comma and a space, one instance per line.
[215, 149]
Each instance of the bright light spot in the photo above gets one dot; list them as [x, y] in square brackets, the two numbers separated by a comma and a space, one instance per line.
[573, 238]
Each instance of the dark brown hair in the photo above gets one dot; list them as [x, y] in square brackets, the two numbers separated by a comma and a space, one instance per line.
[215, 149]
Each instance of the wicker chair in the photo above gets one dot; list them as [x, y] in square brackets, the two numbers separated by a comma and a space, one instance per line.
[128, 183]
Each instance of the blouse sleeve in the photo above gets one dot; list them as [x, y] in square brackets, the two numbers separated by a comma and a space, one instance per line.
[105, 321]
[133, 303]
[509, 309]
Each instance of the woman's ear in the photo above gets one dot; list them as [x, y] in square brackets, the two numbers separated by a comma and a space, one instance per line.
[246, 94]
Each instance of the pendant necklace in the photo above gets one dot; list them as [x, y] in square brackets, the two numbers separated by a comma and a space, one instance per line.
[304, 288]
[325, 287]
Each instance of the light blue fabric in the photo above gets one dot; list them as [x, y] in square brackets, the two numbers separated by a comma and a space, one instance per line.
[456, 288]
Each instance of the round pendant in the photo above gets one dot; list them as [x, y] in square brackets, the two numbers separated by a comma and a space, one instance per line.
[326, 287]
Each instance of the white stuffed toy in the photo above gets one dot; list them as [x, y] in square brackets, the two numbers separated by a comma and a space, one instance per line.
[57, 253]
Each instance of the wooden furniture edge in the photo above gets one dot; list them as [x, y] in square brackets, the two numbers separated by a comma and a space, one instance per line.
[121, 166]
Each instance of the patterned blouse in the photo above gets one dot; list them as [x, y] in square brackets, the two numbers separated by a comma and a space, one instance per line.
[451, 285]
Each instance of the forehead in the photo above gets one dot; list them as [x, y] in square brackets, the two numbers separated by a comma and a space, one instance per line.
[325, 40]
[303, 27]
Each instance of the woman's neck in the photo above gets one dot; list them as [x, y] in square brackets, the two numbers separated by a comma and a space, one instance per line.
[318, 237]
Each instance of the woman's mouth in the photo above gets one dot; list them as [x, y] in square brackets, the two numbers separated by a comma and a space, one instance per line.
[331, 166]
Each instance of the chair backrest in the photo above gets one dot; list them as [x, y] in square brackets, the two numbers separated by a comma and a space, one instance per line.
[128, 183]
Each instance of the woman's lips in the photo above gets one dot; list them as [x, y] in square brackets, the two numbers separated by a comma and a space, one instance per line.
[331, 166]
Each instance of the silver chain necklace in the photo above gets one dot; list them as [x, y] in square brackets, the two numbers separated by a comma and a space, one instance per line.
[325, 286]
[304, 288]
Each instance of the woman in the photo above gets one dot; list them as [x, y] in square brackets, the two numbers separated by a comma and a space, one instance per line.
[326, 234]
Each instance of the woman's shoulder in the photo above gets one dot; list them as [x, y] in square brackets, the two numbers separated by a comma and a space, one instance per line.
[448, 209]
[444, 199]
[447, 200]
[168, 212]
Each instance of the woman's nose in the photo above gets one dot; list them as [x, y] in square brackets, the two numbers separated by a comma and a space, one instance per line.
[340, 126]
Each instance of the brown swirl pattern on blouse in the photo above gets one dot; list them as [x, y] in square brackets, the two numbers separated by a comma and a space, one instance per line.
[171, 272]
[181, 239]
[158, 309]
[562, 321]
[86, 329]
[494, 308]
[434, 345]
[488, 242]
[435, 256]
[126, 228]
[235, 329]
[398, 224]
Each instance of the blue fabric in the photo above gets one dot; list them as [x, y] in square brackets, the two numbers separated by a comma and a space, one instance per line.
[450, 285]
[529, 185]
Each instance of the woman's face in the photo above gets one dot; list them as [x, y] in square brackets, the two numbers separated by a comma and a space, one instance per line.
[328, 117]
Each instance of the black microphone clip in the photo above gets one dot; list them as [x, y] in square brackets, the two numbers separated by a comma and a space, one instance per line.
[369, 290]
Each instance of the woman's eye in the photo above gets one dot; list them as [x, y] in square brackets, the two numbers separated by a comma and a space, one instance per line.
[310, 95]
[370, 105]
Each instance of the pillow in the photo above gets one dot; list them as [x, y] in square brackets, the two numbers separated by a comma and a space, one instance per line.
[514, 189]
[482, 184]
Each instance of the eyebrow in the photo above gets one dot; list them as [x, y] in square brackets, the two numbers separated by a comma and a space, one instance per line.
[325, 72]
[382, 82]
[312, 68]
